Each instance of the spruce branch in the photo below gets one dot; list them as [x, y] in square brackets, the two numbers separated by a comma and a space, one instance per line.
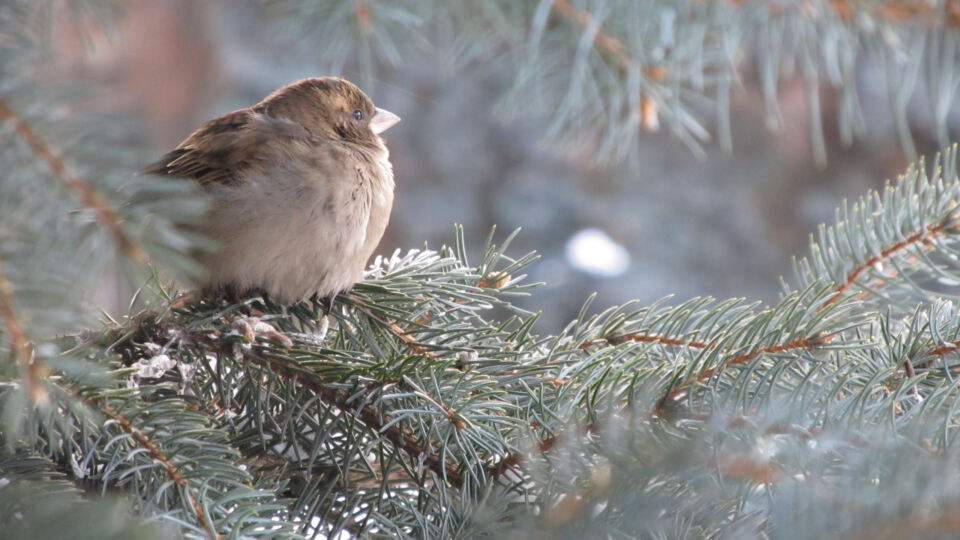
[792, 346]
[892, 247]
[919, 240]
[604, 71]
[38, 500]
[81, 188]
[368, 415]
[316, 410]
[648, 106]
[173, 459]
[19, 343]
[171, 470]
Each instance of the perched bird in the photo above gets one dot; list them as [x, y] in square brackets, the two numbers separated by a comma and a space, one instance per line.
[301, 187]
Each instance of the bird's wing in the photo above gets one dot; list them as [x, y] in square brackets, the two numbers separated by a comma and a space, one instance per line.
[220, 150]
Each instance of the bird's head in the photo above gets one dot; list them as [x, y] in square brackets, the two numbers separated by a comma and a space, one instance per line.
[330, 106]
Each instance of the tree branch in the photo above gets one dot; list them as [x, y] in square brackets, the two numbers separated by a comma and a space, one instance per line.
[649, 109]
[19, 342]
[172, 472]
[802, 343]
[80, 187]
[640, 337]
[369, 416]
[924, 237]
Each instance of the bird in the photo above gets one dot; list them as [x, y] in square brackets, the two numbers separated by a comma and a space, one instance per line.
[300, 187]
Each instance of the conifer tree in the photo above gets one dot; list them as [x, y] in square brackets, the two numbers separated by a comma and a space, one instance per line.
[426, 404]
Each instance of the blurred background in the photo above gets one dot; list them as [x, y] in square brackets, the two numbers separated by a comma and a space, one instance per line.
[670, 223]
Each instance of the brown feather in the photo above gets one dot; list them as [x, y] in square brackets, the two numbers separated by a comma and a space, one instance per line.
[220, 150]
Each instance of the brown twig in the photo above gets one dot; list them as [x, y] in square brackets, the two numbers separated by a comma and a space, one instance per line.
[799, 343]
[172, 472]
[924, 237]
[361, 10]
[802, 343]
[843, 9]
[946, 348]
[749, 469]
[411, 341]
[493, 280]
[79, 186]
[544, 446]
[19, 342]
[895, 11]
[936, 352]
[911, 373]
[923, 12]
[610, 44]
[640, 337]
[452, 415]
[737, 467]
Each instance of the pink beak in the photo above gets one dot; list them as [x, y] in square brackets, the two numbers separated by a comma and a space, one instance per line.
[383, 120]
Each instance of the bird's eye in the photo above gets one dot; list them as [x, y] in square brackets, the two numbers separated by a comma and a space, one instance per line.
[357, 115]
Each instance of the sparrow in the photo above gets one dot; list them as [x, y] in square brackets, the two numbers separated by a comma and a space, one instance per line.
[301, 190]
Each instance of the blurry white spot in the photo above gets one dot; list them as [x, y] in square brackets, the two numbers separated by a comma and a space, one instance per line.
[323, 325]
[764, 449]
[467, 357]
[47, 350]
[315, 522]
[594, 252]
[79, 471]
[187, 371]
[4, 482]
[154, 366]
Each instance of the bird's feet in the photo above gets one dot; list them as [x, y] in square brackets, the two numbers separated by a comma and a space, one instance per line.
[252, 328]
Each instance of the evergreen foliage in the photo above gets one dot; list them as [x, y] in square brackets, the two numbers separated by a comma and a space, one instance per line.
[607, 70]
[425, 404]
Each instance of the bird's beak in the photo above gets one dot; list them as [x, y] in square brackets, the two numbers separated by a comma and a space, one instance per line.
[383, 120]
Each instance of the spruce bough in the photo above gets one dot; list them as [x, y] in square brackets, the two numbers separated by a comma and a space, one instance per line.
[425, 411]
